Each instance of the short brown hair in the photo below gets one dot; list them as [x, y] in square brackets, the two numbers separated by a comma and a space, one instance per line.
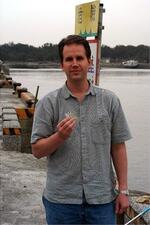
[74, 39]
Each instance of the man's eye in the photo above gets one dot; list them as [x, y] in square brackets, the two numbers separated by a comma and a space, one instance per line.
[68, 59]
[79, 58]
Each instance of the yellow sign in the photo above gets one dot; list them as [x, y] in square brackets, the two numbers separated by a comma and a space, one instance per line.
[87, 18]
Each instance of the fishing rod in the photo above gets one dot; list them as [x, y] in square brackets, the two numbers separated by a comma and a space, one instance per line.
[140, 214]
[36, 96]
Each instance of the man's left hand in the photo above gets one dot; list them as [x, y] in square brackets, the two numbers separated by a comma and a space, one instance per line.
[122, 203]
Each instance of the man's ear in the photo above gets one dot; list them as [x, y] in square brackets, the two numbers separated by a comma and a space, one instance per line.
[90, 61]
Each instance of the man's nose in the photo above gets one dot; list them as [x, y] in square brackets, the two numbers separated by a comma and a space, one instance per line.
[74, 62]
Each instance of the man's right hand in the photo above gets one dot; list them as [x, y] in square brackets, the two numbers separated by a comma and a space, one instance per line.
[48, 145]
[65, 127]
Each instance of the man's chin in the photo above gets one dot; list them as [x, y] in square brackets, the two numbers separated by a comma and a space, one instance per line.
[77, 77]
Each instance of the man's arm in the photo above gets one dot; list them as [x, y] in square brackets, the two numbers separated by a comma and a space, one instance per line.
[119, 157]
[46, 146]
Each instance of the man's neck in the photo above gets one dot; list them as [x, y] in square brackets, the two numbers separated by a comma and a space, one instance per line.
[78, 89]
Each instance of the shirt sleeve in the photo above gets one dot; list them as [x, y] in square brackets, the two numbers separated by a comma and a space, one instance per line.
[120, 130]
[43, 121]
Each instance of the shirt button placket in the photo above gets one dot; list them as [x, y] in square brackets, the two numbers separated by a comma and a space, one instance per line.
[84, 143]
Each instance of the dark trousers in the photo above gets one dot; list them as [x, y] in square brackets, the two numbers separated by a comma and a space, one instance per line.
[79, 214]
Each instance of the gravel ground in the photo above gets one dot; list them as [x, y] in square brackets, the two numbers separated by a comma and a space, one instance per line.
[22, 182]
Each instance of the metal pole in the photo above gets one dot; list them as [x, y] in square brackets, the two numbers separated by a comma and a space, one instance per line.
[99, 41]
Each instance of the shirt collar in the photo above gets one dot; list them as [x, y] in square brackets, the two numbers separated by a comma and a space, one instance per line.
[67, 93]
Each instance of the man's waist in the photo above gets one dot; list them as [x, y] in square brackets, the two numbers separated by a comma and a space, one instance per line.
[80, 194]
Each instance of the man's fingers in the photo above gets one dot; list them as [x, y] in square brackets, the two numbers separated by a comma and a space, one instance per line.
[119, 209]
[67, 122]
[122, 203]
[65, 127]
[61, 123]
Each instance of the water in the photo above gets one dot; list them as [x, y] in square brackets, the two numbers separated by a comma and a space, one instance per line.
[133, 89]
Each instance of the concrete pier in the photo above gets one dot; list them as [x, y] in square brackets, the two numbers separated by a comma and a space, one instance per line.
[22, 182]
[22, 176]
[16, 118]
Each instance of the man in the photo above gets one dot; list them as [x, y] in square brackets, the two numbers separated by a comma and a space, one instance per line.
[81, 129]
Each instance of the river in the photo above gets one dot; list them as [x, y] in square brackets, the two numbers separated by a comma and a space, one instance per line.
[133, 88]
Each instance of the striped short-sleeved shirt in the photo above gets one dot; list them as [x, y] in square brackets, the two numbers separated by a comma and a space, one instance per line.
[83, 162]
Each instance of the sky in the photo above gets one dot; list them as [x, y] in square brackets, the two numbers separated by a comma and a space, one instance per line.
[35, 22]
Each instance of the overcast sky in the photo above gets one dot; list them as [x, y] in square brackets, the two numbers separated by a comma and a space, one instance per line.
[36, 22]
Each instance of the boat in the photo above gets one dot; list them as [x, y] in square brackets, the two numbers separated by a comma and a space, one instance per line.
[130, 64]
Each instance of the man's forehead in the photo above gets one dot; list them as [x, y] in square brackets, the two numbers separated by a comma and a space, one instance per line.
[74, 48]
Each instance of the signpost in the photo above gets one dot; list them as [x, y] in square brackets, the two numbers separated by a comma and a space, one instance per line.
[88, 24]
[87, 17]
[92, 69]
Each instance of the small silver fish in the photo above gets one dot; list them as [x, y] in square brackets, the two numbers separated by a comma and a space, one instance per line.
[71, 114]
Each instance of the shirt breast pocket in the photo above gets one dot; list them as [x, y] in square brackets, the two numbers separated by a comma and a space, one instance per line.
[101, 130]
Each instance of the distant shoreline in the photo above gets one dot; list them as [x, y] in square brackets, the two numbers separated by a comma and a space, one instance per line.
[39, 65]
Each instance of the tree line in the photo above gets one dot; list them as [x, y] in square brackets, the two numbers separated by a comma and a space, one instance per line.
[49, 52]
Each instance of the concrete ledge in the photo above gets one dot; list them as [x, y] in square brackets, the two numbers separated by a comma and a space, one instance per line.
[9, 117]
[11, 124]
[12, 143]
[9, 111]
[11, 130]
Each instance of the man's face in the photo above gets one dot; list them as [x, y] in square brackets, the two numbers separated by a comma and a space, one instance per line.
[75, 62]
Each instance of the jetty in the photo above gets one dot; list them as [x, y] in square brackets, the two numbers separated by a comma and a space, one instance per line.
[22, 175]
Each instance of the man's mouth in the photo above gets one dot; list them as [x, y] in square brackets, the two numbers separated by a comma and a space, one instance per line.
[75, 71]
